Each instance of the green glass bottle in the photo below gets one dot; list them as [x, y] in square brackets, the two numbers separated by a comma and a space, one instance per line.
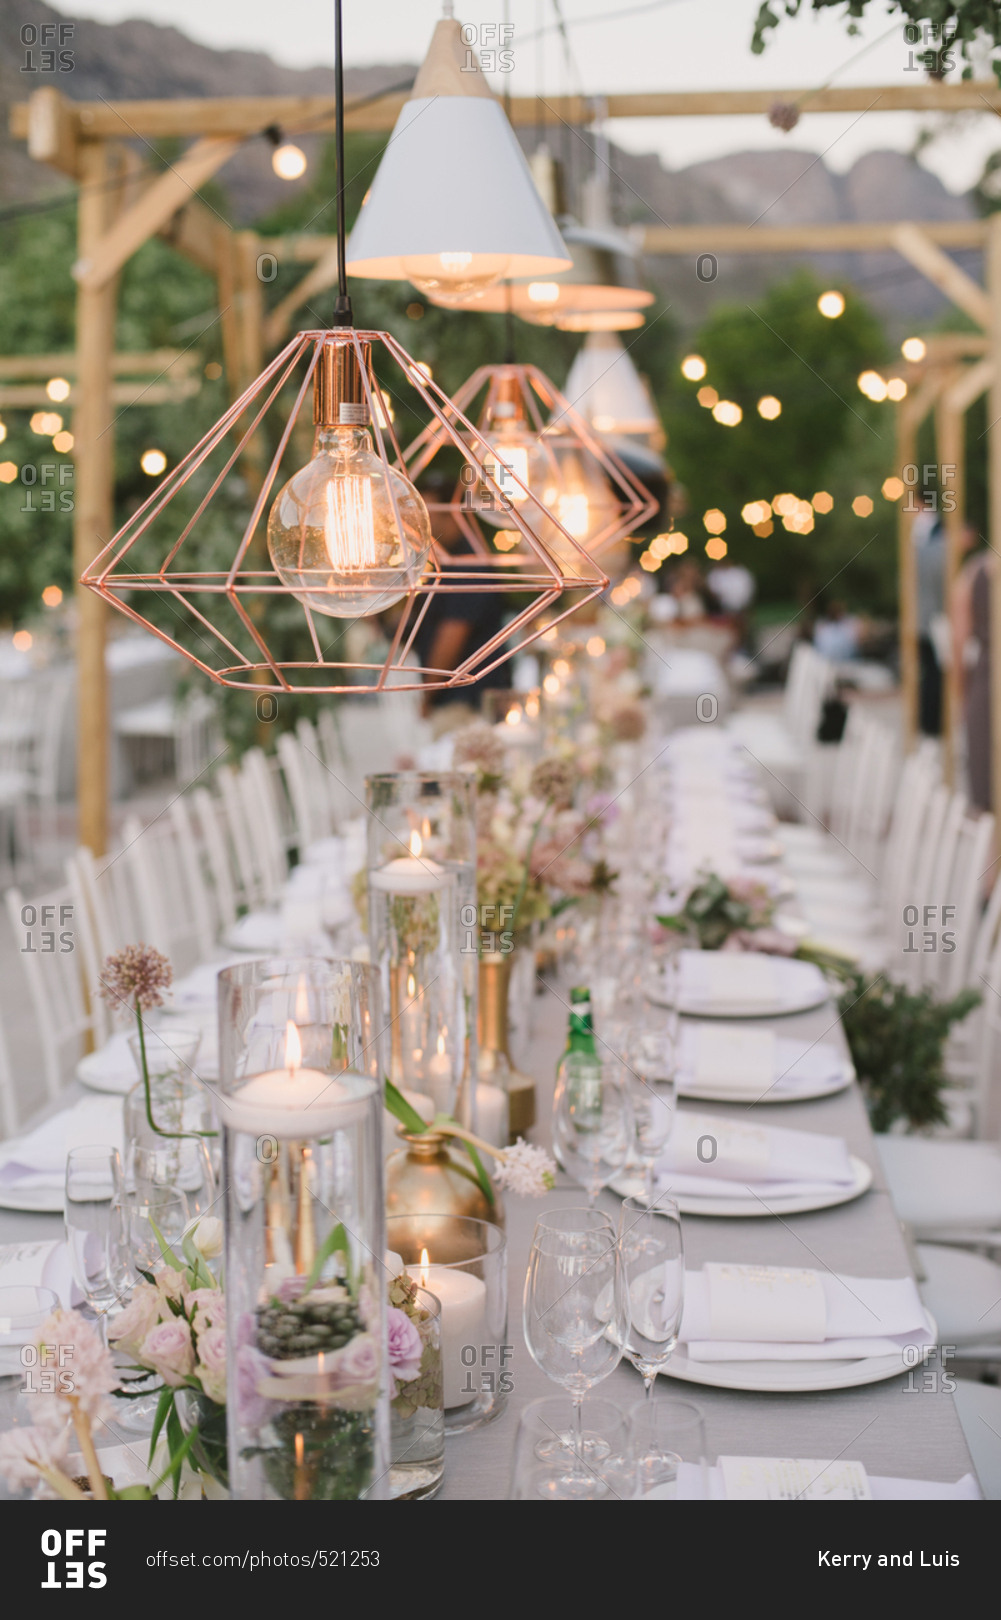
[580, 1035]
[578, 1074]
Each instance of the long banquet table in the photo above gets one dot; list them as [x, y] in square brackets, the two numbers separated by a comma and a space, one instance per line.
[904, 1427]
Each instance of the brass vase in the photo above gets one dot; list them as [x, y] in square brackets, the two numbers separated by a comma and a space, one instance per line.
[431, 1175]
[494, 1055]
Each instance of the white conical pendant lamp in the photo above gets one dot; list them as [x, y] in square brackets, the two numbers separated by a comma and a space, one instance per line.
[453, 206]
[608, 391]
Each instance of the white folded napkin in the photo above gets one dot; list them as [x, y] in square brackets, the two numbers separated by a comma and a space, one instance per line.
[727, 979]
[776, 1313]
[198, 990]
[715, 1157]
[695, 1484]
[37, 1161]
[257, 931]
[747, 1061]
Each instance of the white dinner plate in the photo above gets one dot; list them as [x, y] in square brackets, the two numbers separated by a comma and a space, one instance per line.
[39, 1200]
[631, 1185]
[800, 986]
[772, 1093]
[797, 1377]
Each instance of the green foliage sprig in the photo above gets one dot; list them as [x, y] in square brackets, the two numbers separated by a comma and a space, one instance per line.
[897, 1037]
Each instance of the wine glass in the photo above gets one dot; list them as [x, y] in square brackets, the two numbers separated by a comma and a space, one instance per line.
[144, 1215]
[667, 1435]
[592, 1122]
[155, 1160]
[651, 1068]
[544, 1457]
[653, 1266]
[91, 1204]
[575, 1322]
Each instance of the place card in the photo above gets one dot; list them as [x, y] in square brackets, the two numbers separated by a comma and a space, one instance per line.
[793, 1479]
[723, 1146]
[739, 1059]
[770, 1304]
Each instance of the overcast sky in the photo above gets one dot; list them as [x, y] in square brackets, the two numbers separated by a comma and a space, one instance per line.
[632, 45]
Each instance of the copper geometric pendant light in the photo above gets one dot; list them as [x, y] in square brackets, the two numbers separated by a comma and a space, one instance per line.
[333, 537]
[537, 445]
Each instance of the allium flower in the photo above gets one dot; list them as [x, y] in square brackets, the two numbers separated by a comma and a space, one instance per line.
[554, 780]
[627, 722]
[479, 746]
[23, 1451]
[526, 1170]
[405, 1346]
[135, 976]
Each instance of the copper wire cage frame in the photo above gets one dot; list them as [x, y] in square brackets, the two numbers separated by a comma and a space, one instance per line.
[558, 427]
[548, 573]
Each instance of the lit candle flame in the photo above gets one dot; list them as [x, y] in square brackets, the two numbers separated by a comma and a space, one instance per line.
[299, 1450]
[425, 1268]
[513, 717]
[293, 1048]
[441, 1044]
[416, 842]
[411, 985]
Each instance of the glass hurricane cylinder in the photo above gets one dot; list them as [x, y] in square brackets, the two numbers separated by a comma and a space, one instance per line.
[463, 1262]
[423, 929]
[301, 1108]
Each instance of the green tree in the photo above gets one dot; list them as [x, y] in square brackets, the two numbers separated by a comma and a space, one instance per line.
[828, 437]
[937, 25]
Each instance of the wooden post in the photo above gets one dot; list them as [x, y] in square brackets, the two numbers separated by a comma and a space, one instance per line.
[994, 501]
[93, 449]
[949, 446]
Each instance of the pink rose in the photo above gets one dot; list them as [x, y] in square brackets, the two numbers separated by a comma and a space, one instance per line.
[357, 1363]
[211, 1367]
[405, 1346]
[171, 1283]
[140, 1316]
[168, 1350]
[206, 1308]
[252, 1368]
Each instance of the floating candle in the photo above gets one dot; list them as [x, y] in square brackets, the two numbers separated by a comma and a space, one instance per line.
[410, 874]
[294, 1102]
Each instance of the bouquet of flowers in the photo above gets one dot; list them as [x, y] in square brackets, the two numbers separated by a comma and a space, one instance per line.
[729, 914]
[175, 1326]
[536, 852]
[413, 1359]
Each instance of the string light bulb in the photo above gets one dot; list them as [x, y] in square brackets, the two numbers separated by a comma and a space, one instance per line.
[347, 535]
[287, 159]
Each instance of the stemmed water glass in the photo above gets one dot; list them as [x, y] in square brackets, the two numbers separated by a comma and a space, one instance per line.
[653, 1266]
[575, 1322]
[592, 1123]
[145, 1216]
[91, 1209]
[651, 1072]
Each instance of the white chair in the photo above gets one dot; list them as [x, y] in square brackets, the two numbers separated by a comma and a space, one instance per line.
[166, 911]
[979, 1409]
[9, 1111]
[250, 891]
[197, 876]
[263, 820]
[212, 830]
[45, 928]
[963, 1293]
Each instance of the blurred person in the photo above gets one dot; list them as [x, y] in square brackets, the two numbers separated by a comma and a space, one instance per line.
[836, 632]
[457, 622]
[928, 545]
[686, 583]
[731, 587]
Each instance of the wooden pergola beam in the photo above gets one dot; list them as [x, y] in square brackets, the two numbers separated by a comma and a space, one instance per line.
[18, 396]
[246, 116]
[916, 246]
[322, 276]
[65, 365]
[157, 205]
[839, 237]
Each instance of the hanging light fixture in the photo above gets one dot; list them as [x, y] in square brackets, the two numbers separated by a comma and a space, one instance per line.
[600, 291]
[347, 535]
[604, 385]
[538, 446]
[452, 207]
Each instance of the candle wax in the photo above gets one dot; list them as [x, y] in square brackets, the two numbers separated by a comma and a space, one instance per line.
[409, 874]
[463, 1300]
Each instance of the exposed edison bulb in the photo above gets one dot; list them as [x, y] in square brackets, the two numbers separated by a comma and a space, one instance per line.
[333, 535]
[581, 498]
[454, 278]
[288, 161]
[514, 459]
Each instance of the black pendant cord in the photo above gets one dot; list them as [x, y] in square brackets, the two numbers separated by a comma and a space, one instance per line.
[343, 314]
[509, 356]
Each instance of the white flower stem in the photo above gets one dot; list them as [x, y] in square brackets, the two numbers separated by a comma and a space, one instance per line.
[81, 1425]
[475, 1141]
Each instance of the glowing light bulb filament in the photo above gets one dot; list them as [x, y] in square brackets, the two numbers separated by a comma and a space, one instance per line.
[350, 525]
